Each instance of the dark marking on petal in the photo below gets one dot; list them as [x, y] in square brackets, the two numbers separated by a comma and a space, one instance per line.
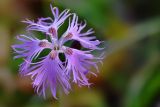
[42, 44]
[52, 31]
[70, 35]
[69, 51]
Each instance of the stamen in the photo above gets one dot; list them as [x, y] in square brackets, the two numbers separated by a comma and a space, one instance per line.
[56, 48]
[70, 35]
[69, 51]
[53, 54]
[52, 31]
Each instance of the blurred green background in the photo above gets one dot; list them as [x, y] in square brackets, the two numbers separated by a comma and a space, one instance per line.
[130, 75]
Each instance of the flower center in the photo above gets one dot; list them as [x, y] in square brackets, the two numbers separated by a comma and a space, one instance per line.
[56, 47]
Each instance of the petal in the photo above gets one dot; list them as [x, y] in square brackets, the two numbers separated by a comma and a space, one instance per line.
[29, 49]
[45, 21]
[74, 33]
[48, 25]
[39, 26]
[49, 74]
[79, 64]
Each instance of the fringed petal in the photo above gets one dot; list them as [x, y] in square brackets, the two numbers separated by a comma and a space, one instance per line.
[29, 49]
[74, 33]
[48, 25]
[79, 64]
[49, 74]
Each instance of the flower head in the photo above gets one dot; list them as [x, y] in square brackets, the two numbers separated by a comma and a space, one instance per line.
[50, 71]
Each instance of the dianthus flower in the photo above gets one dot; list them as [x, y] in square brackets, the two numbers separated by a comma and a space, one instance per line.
[50, 72]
